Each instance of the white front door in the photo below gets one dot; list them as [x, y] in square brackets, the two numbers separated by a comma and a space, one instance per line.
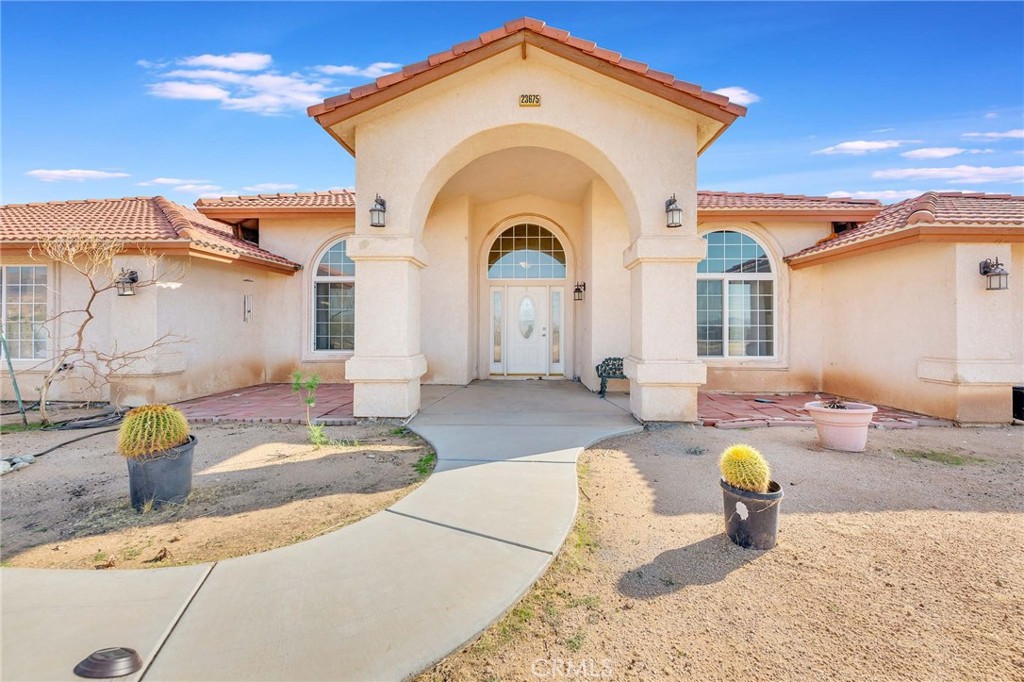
[526, 330]
[527, 325]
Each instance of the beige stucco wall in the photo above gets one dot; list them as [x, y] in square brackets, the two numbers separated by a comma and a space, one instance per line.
[604, 313]
[914, 327]
[194, 312]
[289, 301]
[798, 312]
[408, 149]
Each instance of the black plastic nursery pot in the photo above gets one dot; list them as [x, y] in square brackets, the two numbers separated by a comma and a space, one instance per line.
[752, 519]
[162, 477]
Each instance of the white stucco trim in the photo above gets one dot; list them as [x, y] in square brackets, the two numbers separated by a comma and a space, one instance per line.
[970, 372]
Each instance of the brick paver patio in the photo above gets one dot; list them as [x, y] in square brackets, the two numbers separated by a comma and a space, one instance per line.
[732, 410]
[275, 403]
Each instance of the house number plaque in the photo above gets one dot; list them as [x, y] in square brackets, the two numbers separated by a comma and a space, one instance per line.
[529, 100]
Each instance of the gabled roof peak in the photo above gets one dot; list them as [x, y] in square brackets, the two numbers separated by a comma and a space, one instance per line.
[540, 34]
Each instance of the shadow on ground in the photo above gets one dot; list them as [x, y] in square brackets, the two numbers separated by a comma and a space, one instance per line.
[704, 562]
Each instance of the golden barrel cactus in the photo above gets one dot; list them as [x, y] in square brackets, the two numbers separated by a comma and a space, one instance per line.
[151, 428]
[743, 467]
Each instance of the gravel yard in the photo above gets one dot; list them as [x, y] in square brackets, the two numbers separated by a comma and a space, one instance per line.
[905, 562]
[255, 487]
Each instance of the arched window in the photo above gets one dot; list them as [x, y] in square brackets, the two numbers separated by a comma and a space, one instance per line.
[526, 251]
[735, 298]
[334, 301]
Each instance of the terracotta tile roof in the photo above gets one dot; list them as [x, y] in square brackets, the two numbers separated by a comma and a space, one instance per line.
[132, 219]
[342, 198]
[706, 201]
[710, 201]
[931, 209]
[535, 27]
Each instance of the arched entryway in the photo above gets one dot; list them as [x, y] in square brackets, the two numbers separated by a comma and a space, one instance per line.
[525, 274]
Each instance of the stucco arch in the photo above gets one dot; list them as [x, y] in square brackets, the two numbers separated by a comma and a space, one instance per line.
[511, 136]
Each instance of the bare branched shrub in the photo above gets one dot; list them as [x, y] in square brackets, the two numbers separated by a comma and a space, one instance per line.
[74, 351]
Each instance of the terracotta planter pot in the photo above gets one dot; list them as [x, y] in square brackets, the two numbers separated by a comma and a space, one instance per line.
[163, 477]
[845, 430]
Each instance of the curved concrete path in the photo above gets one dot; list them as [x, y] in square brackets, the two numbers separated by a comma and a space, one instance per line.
[378, 600]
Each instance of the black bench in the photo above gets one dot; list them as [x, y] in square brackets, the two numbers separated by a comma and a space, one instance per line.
[610, 368]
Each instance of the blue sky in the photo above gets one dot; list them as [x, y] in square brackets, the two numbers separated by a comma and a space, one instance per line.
[192, 99]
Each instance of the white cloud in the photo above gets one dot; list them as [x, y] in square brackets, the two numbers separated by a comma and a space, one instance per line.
[208, 75]
[236, 61]
[271, 187]
[1009, 134]
[184, 90]
[991, 115]
[196, 188]
[268, 93]
[738, 95]
[75, 174]
[883, 130]
[861, 147]
[955, 174]
[880, 194]
[264, 93]
[171, 181]
[891, 195]
[941, 152]
[375, 70]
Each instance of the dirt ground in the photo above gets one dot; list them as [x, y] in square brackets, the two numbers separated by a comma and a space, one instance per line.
[255, 487]
[905, 562]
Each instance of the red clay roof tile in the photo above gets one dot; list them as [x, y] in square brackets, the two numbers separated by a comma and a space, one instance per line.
[340, 198]
[539, 28]
[132, 219]
[709, 201]
[706, 201]
[938, 209]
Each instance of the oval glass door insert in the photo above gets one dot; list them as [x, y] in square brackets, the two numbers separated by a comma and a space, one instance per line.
[527, 317]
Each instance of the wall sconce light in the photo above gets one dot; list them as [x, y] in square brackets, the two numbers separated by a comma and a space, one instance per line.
[673, 214]
[998, 277]
[577, 292]
[126, 281]
[377, 211]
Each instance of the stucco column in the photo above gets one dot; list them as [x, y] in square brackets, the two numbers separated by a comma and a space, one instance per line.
[387, 364]
[663, 369]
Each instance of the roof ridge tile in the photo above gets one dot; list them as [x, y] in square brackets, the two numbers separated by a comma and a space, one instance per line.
[509, 28]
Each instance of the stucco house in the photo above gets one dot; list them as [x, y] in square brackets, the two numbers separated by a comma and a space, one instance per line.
[527, 206]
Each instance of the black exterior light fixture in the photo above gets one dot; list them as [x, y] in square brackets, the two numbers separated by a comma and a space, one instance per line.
[377, 212]
[578, 290]
[998, 277]
[673, 214]
[126, 281]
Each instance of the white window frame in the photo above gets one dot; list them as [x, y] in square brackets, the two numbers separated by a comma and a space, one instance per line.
[49, 317]
[326, 353]
[725, 278]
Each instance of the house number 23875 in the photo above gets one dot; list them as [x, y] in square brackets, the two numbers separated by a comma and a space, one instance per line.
[529, 100]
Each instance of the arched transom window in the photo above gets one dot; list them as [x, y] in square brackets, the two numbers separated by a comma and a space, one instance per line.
[735, 298]
[526, 251]
[334, 301]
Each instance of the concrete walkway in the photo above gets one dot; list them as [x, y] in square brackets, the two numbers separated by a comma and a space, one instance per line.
[378, 600]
